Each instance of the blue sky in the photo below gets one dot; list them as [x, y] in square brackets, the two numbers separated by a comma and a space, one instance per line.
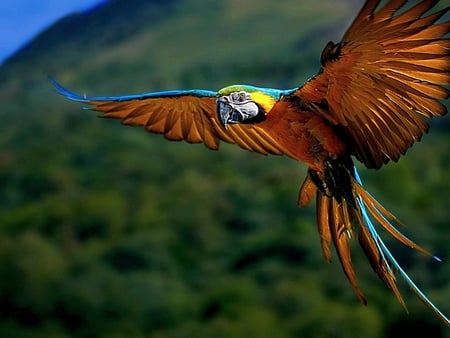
[21, 20]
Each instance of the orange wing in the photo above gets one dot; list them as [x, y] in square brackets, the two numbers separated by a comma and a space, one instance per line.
[188, 115]
[384, 79]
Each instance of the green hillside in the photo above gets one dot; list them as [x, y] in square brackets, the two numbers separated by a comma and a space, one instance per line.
[107, 231]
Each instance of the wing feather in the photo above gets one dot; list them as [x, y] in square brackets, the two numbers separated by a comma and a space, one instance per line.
[386, 77]
[179, 115]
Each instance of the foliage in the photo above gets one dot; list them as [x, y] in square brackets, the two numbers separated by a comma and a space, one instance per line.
[110, 232]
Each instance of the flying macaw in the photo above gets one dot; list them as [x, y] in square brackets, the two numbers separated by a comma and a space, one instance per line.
[370, 100]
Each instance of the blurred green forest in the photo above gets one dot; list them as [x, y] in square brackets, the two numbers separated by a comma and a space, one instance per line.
[107, 231]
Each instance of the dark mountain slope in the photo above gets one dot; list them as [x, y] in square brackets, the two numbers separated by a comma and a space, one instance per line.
[96, 28]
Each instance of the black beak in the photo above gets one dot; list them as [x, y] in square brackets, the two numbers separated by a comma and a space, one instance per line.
[224, 111]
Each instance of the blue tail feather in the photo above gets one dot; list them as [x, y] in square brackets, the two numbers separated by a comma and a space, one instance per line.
[386, 254]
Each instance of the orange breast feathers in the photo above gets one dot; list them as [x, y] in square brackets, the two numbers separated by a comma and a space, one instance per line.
[305, 135]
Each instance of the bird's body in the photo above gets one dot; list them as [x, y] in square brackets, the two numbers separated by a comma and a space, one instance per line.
[370, 101]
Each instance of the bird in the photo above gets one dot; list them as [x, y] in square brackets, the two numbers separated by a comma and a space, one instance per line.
[370, 101]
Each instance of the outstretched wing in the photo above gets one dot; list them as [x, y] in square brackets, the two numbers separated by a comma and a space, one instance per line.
[188, 115]
[384, 79]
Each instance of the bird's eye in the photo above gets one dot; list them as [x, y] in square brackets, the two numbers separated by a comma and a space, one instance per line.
[242, 96]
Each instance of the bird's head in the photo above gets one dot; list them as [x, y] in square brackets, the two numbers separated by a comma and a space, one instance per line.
[245, 104]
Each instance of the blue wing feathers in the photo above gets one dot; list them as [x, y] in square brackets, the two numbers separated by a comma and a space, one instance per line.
[162, 94]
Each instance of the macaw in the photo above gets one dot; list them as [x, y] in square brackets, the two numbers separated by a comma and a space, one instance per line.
[370, 101]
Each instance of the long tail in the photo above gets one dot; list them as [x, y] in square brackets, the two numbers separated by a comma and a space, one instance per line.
[339, 216]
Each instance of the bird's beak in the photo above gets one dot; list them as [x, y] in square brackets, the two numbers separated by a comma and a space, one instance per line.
[224, 111]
